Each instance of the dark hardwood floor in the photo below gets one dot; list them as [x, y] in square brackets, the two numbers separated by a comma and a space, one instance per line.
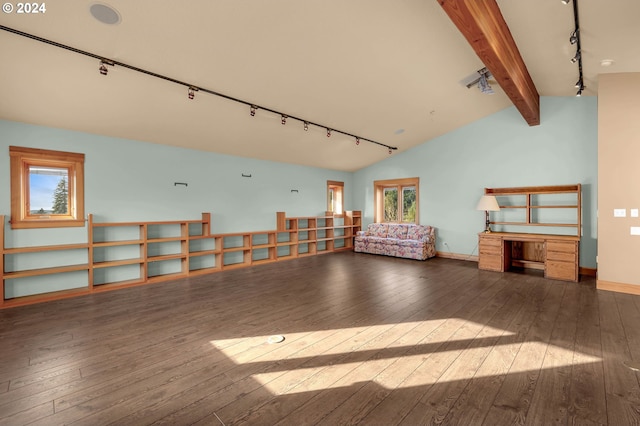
[368, 340]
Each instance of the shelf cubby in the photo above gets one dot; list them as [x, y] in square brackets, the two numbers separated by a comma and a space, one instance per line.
[116, 273]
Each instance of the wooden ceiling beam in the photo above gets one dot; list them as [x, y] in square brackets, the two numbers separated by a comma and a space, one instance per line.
[482, 24]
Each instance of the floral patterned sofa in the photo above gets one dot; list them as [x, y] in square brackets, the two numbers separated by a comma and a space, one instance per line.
[399, 240]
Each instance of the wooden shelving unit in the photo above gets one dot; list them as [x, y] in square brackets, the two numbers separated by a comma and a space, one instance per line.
[532, 207]
[557, 255]
[159, 250]
[125, 254]
[308, 236]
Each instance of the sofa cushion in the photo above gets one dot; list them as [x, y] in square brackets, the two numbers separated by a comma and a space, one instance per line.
[377, 240]
[418, 232]
[397, 231]
[377, 230]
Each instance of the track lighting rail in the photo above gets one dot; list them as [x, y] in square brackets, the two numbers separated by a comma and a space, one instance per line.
[574, 38]
[191, 88]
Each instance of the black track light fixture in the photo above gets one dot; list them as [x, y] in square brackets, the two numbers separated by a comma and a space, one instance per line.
[573, 38]
[103, 66]
[191, 89]
[577, 57]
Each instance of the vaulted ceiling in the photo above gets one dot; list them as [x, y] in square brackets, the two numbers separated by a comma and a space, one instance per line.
[389, 71]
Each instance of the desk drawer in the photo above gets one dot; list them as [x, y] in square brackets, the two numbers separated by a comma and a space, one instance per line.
[490, 250]
[561, 270]
[562, 246]
[561, 256]
[490, 241]
[490, 263]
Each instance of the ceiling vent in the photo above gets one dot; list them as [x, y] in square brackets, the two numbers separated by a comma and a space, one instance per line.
[105, 13]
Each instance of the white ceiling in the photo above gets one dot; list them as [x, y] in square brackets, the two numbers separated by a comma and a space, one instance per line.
[366, 67]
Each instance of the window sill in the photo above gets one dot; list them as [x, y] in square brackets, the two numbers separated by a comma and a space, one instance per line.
[44, 223]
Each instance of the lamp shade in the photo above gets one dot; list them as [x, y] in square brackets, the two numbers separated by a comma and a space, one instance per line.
[488, 203]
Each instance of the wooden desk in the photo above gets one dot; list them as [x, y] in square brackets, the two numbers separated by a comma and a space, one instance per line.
[557, 255]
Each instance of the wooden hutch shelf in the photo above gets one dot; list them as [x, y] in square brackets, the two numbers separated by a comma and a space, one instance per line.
[126, 254]
[557, 255]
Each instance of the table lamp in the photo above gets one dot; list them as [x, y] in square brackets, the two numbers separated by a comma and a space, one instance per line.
[488, 203]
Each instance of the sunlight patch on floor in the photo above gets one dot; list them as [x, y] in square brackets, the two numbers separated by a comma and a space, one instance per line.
[279, 382]
[424, 362]
[353, 336]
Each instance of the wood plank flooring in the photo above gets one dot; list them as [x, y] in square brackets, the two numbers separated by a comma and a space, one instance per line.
[369, 340]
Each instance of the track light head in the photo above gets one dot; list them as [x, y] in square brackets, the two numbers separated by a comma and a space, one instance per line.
[306, 126]
[573, 38]
[328, 132]
[390, 151]
[283, 119]
[191, 93]
[565, 1]
[357, 141]
[579, 92]
[579, 84]
[576, 58]
[103, 68]
[252, 110]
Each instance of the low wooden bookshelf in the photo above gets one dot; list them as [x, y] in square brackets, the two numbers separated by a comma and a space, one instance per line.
[124, 254]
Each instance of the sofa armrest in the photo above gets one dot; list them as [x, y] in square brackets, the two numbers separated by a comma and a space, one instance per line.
[361, 233]
[431, 236]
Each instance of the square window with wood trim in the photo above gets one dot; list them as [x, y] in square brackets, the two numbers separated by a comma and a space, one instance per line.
[47, 188]
[396, 200]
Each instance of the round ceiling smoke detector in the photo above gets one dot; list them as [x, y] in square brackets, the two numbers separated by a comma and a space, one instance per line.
[105, 13]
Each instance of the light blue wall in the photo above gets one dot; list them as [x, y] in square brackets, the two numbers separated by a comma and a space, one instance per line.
[498, 151]
[127, 180]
